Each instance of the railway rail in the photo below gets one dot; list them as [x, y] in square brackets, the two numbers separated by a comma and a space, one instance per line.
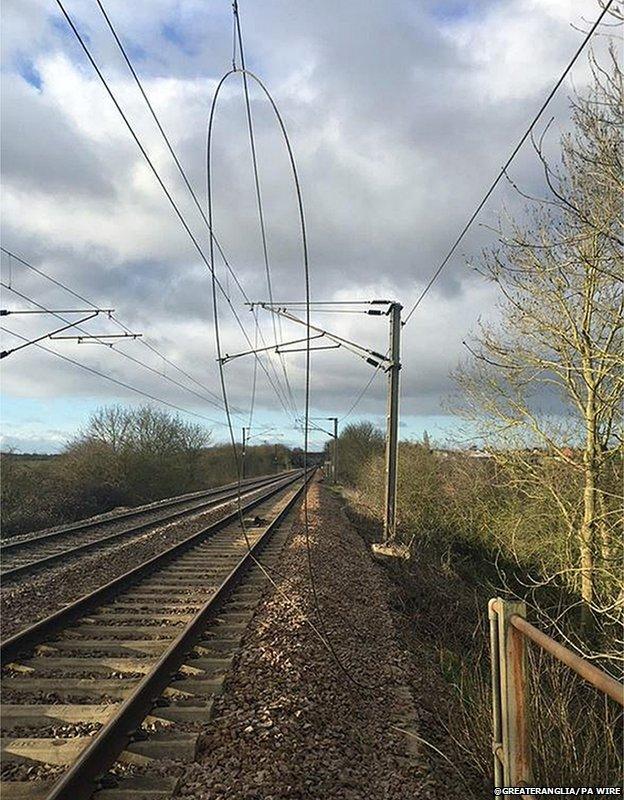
[28, 555]
[124, 676]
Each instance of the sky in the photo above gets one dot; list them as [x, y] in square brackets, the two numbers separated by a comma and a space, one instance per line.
[399, 115]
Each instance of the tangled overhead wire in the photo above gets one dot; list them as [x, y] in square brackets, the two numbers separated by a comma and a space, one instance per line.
[319, 630]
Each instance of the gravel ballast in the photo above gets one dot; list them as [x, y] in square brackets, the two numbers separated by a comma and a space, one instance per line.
[290, 724]
[40, 594]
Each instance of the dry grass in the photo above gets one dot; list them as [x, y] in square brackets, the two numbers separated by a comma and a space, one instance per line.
[441, 604]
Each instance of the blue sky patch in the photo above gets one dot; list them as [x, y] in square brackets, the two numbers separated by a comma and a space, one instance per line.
[60, 24]
[135, 51]
[29, 73]
[452, 10]
[174, 33]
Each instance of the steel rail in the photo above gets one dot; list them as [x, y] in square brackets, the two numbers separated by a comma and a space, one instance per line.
[222, 496]
[597, 677]
[131, 512]
[80, 781]
[34, 634]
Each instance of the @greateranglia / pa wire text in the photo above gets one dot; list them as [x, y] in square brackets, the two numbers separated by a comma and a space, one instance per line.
[559, 791]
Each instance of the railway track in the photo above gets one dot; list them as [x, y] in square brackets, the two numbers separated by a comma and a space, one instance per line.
[124, 677]
[28, 555]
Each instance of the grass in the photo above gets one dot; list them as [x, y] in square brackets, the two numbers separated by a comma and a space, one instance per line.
[441, 612]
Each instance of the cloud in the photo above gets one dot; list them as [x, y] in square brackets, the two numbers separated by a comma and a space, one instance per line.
[399, 115]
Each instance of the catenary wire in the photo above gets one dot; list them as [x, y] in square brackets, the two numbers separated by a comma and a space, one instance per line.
[276, 323]
[179, 166]
[321, 631]
[167, 193]
[504, 169]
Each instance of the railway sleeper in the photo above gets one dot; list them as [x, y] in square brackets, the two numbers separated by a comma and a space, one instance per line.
[172, 728]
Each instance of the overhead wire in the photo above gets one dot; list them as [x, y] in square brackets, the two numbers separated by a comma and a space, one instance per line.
[253, 382]
[327, 302]
[115, 320]
[361, 395]
[276, 324]
[114, 380]
[177, 162]
[320, 630]
[337, 311]
[168, 195]
[215, 283]
[354, 347]
[53, 334]
[111, 346]
[507, 164]
[488, 193]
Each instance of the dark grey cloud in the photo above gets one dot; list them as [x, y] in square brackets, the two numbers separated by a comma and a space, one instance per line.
[41, 151]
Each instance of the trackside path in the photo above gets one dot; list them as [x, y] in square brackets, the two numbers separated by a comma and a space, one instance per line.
[289, 725]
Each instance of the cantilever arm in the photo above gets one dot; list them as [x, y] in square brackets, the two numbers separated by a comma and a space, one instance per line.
[370, 356]
[50, 335]
[274, 347]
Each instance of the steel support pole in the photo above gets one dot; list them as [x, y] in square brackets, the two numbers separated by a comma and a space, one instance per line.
[335, 452]
[392, 425]
[243, 453]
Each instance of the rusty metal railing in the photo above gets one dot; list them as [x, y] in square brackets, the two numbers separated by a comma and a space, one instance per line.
[511, 727]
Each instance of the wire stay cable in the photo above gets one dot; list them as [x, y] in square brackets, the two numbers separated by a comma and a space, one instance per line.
[507, 164]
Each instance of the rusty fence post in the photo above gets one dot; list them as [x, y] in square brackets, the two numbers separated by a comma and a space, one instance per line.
[497, 744]
[510, 701]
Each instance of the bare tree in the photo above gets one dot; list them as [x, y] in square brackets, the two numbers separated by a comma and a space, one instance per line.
[545, 382]
[109, 425]
[357, 444]
[149, 453]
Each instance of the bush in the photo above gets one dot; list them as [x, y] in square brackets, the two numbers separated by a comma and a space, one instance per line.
[123, 457]
[478, 530]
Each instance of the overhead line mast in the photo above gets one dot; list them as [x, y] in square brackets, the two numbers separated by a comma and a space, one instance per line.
[392, 423]
[391, 363]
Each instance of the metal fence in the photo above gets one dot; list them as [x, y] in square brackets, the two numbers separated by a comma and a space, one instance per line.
[511, 743]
